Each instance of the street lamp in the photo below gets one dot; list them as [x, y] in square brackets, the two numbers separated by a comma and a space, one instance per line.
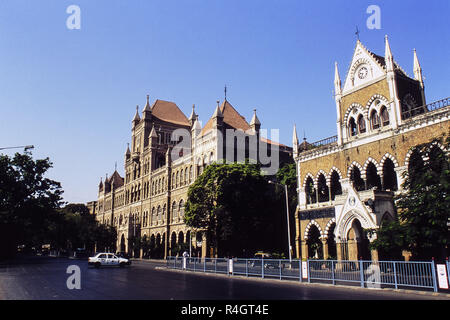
[287, 218]
[25, 148]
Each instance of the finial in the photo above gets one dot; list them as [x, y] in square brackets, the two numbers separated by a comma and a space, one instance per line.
[357, 33]
[115, 166]
[225, 90]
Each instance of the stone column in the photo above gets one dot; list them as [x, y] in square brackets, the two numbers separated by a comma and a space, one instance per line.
[399, 172]
[304, 249]
[352, 249]
[374, 254]
[325, 248]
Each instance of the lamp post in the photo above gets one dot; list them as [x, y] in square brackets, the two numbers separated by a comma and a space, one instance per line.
[25, 148]
[287, 219]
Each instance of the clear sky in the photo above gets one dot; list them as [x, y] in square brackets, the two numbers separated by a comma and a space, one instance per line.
[73, 93]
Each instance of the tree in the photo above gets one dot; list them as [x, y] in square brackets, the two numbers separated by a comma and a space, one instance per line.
[28, 200]
[423, 207]
[233, 205]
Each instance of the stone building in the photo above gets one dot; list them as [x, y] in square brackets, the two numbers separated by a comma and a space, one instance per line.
[346, 183]
[168, 151]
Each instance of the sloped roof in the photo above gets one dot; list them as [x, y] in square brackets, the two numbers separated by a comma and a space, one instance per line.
[169, 112]
[118, 180]
[230, 117]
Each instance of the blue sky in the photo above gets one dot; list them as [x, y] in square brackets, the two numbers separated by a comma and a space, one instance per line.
[73, 93]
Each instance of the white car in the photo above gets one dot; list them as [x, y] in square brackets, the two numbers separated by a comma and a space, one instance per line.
[107, 259]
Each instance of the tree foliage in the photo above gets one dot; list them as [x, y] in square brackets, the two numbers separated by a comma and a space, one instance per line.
[28, 200]
[423, 207]
[233, 205]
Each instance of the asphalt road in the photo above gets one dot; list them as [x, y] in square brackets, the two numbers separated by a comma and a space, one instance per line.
[45, 279]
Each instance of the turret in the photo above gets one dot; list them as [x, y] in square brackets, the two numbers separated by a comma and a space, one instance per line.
[147, 112]
[255, 124]
[295, 142]
[136, 118]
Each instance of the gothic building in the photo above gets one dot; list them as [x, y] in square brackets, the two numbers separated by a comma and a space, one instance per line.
[168, 151]
[346, 183]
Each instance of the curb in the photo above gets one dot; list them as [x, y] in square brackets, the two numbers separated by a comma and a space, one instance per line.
[418, 292]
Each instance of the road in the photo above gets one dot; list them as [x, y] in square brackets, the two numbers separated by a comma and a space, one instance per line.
[45, 278]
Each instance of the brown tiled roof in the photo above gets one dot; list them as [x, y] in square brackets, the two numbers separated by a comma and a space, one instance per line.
[169, 112]
[230, 117]
[268, 141]
[118, 180]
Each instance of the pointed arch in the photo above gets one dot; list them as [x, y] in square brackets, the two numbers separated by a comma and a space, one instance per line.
[308, 227]
[328, 227]
[371, 173]
[368, 161]
[353, 108]
[308, 175]
[388, 156]
[353, 164]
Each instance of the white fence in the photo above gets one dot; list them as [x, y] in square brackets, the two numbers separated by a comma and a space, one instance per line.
[367, 274]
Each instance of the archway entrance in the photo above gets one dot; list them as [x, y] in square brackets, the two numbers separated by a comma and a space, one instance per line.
[315, 246]
[331, 243]
[357, 243]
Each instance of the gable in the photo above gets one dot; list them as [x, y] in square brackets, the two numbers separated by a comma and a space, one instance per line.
[364, 68]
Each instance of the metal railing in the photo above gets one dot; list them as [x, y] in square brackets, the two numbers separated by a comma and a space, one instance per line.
[325, 141]
[408, 114]
[365, 273]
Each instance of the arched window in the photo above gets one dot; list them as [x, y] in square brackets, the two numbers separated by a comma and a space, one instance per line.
[373, 179]
[158, 213]
[355, 177]
[335, 185]
[310, 191]
[181, 209]
[389, 176]
[415, 165]
[361, 124]
[384, 116]
[352, 127]
[174, 210]
[322, 188]
[374, 120]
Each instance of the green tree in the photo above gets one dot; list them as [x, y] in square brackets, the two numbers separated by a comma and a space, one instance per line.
[233, 205]
[28, 201]
[423, 207]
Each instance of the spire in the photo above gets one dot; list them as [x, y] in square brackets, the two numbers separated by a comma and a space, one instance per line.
[255, 124]
[417, 68]
[295, 137]
[255, 120]
[147, 107]
[295, 141]
[153, 133]
[128, 152]
[337, 80]
[193, 116]
[217, 112]
[388, 56]
[136, 116]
